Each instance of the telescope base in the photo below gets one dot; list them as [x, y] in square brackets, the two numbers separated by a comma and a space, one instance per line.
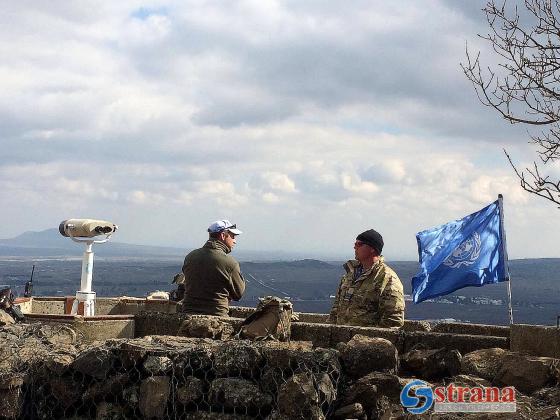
[84, 304]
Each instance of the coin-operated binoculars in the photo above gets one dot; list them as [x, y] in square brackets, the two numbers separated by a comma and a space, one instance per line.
[84, 231]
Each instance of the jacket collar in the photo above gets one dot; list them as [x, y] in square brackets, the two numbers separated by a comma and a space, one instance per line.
[351, 265]
[216, 244]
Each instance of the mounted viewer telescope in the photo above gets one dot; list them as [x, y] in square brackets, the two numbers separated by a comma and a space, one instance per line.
[86, 228]
[84, 231]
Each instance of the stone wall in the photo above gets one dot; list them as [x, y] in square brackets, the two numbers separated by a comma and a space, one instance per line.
[47, 372]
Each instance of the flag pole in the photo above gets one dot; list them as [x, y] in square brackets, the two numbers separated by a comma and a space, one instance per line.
[504, 250]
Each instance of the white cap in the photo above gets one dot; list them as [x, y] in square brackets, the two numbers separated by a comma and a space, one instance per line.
[221, 225]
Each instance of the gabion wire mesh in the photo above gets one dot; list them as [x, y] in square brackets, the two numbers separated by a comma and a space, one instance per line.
[48, 373]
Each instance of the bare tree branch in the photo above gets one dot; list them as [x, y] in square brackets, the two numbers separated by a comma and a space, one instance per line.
[524, 88]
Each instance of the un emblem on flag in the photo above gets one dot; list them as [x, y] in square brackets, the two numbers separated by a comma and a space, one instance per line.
[465, 254]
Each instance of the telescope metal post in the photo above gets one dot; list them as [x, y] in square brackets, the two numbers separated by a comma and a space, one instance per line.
[85, 295]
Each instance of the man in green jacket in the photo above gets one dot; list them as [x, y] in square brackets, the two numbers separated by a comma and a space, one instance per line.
[370, 294]
[212, 277]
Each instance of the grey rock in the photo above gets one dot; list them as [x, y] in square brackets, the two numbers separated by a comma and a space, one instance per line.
[285, 355]
[238, 393]
[157, 365]
[298, 398]
[131, 396]
[272, 378]
[550, 396]
[325, 388]
[369, 390]
[154, 393]
[66, 390]
[431, 363]
[350, 411]
[237, 358]
[205, 327]
[362, 355]
[6, 318]
[113, 385]
[190, 391]
[203, 415]
[468, 380]
[95, 362]
[483, 363]
[527, 373]
[11, 397]
[59, 362]
[107, 411]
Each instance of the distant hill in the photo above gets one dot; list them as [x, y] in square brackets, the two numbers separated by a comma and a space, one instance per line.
[51, 243]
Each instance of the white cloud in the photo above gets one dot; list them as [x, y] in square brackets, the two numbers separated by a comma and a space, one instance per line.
[185, 112]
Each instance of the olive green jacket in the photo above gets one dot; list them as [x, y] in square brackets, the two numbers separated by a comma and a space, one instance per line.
[212, 279]
[375, 299]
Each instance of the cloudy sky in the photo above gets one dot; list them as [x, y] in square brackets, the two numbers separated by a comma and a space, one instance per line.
[303, 122]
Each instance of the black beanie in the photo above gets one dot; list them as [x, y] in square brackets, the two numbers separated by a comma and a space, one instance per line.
[373, 239]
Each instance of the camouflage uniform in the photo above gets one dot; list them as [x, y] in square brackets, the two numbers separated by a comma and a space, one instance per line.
[374, 299]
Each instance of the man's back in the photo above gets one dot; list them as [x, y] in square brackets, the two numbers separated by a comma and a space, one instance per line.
[212, 279]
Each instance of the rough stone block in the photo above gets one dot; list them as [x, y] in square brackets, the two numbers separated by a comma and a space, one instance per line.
[298, 398]
[536, 340]
[362, 355]
[527, 373]
[483, 363]
[95, 362]
[238, 393]
[154, 393]
[11, 397]
[190, 391]
[205, 327]
[431, 363]
[237, 358]
[284, 355]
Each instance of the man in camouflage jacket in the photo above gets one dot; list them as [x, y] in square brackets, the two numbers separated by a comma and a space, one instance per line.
[370, 294]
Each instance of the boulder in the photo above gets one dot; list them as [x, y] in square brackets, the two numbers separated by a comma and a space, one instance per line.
[5, 318]
[114, 385]
[271, 379]
[190, 391]
[95, 362]
[154, 392]
[350, 411]
[368, 390]
[203, 415]
[467, 380]
[11, 397]
[298, 398]
[65, 390]
[431, 363]
[550, 396]
[362, 355]
[205, 327]
[325, 388]
[237, 358]
[59, 362]
[131, 396]
[483, 363]
[284, 355]
[527, 373]
[107, 411]
[238, 393]
[157, 365]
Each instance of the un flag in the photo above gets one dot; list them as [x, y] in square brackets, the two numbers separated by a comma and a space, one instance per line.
[466, 252]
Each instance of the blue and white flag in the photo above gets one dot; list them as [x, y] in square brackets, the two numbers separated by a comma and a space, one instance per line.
[466, 252]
